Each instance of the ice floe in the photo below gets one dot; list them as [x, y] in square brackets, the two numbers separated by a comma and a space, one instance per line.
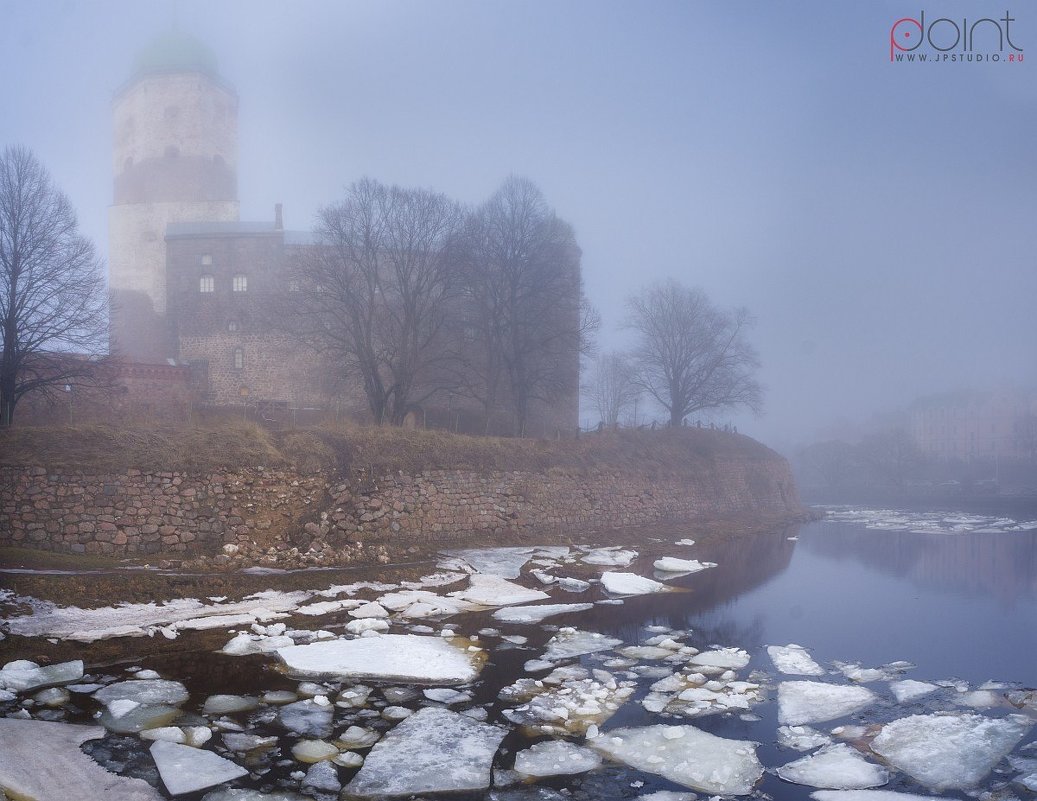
[926, 522]
[490, 591]
[570, 642]
[535, 614]
[866, 795]
[687, 756]
[793, 659]
[503, 562]
[949, 751]
[801, 738]
[186, 770]
[43, 760]
[555, 758]
[433, 751]
[612, 557]
[143, 691]
[392, 657]
[909, 690]
[630, 584]
[835, 767]
[22, 674]
[815, 702]
[671, 564]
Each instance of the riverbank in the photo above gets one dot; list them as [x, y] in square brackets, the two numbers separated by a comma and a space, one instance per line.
[243, 495]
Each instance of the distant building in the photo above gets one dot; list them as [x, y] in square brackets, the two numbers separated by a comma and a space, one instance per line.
[970, 426]
[193, 285]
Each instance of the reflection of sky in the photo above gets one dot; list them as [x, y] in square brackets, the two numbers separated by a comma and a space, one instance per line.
[848, 609]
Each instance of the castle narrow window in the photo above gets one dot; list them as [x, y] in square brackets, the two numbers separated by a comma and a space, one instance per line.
[206, 259]
[240, 283]
[206, 284]
[239, 359]
[232, 325]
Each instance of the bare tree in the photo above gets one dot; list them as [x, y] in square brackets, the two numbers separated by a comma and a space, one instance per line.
[377, 291]
[613, 387]
[53, 304]
[525, 308]
[692, 356]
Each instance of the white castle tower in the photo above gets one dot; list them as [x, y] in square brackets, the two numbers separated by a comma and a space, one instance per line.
[174, 159]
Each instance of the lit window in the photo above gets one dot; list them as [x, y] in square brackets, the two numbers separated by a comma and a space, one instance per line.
[207, 259]
[232, 325]
[207, 284]
[240, 283]
[239, 359]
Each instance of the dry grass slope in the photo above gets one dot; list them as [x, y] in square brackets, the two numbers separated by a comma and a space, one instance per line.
[103, 449]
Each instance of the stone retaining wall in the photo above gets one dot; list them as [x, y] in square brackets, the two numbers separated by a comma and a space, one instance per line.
[274, 510]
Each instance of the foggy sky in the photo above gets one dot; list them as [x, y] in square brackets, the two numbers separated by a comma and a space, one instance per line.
[878, 219]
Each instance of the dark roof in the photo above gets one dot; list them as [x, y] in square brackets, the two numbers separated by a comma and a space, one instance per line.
[175, 51]
[237, 228]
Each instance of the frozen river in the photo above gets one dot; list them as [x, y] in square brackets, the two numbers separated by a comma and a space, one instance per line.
[915, 630]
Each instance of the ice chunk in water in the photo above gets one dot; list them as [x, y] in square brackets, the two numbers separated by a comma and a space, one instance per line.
[306, 718]
[671, 564]
[725, 658]
[185, 770]
[835, 767]
[794, 659]
[392, 657]
[615, 557]
[144, 691]
[555, 758]
[252, 795]
[504, 562]
[866, 795]
[909, 689]
[495, 591]
[570, 642]
[814, 702]
[573, 584]
[687, 756]
[434, 750]
[534, 614]
[630, 584]
[23, 675]
[949, 751]
[801, 738]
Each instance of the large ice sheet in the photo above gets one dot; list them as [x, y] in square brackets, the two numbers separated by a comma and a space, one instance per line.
[630, 584]
[495, 591]
[671, 564]
[43, 760]
[534, 614]
[946, 752]
[835, 767]
[614, 557]
[814, 702]
[433, 751]
[391, 657]
[186, 770]
[794, 659]
[137, 620]
[687, 756]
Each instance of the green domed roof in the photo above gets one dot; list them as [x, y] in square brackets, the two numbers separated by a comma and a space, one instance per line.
[175, 52]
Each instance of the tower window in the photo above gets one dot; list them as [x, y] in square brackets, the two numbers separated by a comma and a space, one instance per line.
[232, 325]
[239, 359]
[206, 284]
[240, 283]
[207, 259]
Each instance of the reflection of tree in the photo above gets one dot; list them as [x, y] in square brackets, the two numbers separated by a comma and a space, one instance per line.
[1003, 566]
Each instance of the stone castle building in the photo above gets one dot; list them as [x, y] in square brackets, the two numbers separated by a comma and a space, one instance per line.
[193, 287]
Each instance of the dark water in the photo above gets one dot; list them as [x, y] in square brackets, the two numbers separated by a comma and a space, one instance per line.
[958, 606]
